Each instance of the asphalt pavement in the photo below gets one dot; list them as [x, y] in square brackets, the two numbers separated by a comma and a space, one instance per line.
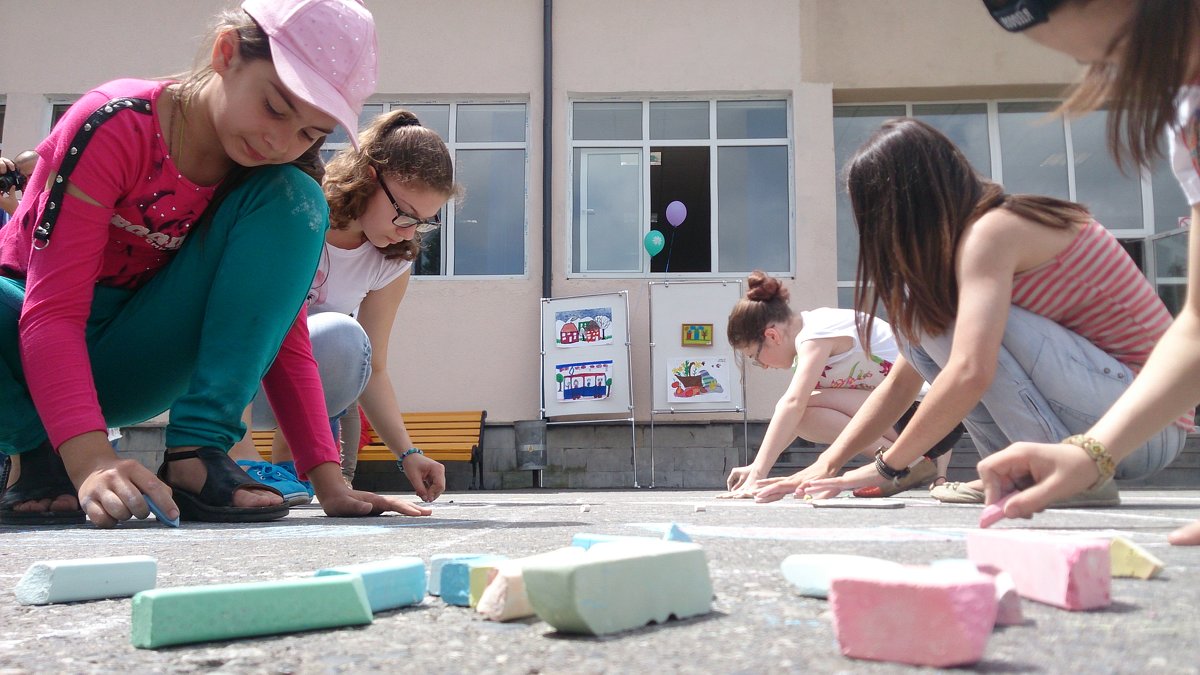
[758, 623]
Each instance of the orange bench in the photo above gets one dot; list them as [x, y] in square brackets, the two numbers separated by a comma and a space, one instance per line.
[444, 436]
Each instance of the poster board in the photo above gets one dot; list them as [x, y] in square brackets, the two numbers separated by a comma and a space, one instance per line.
[693, 367]
[585, 356]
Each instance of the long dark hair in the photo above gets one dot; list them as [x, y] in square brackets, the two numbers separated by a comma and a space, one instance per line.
[1158, 47]
[396, 145]
[913, 193]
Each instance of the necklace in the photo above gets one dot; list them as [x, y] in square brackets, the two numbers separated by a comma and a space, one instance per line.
[178, 122]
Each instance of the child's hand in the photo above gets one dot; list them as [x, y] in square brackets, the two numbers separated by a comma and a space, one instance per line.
[774, 489]
[110, 489]
[1043, 472]
[428, 476]
[340, 501]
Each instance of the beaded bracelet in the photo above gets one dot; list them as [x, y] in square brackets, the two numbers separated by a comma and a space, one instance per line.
[894, 475]
[1099, 454]
[410, 451]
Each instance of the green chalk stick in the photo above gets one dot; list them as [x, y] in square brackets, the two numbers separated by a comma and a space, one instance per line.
[619, 586]
[173, 616]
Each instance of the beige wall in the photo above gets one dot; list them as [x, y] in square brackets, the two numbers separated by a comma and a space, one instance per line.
[813, 52]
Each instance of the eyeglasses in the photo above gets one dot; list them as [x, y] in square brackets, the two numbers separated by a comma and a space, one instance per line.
[404, 220]
[1015, 16]
[757, 353]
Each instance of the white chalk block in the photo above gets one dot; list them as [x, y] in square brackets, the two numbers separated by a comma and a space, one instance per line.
[812, 573]
[52, 581]
[699, 509]
[585, 508]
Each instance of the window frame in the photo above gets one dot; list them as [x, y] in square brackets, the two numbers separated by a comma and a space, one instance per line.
[449, 213]
[644, 144]
[1146, 234]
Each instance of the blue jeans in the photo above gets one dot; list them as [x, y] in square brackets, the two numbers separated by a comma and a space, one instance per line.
[1050, 383]
[343, 353]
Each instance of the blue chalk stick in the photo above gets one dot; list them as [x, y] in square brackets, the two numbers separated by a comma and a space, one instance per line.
[586, 540]
[675, 533]
[158, 513]
[456, 578]
[397, 582]
[440, 560]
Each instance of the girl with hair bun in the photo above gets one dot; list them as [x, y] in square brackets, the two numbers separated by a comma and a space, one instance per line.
[834, 372]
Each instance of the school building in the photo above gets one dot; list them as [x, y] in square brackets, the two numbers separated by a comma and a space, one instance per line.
[573, 123]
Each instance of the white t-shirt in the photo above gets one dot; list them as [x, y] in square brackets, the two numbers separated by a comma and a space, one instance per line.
[1185, 161]
[853, 368]
[344, 277]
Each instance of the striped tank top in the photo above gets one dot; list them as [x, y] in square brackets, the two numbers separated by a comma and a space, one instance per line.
[1094, 288]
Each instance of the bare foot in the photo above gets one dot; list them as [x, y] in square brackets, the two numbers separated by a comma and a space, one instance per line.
[64, 502]
[1188, 535]
[189, 475]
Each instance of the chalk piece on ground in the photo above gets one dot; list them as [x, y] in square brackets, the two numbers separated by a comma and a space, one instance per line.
[504, 598]
[175, 616]
[994, 513]
[1070, 573]
[158, 513]
[812, 572]
[856, 503]
[479, 574]
[456, 578]
[585, 508]
[676, 533]
[587, 540]
[1130, 560]
[438, 561]
[698, 509]
[922, 616]
[1008, 601]
[392, 583]
[617, 586]
[53, 581]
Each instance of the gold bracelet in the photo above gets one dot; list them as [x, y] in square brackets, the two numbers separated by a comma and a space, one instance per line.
[1099, 454]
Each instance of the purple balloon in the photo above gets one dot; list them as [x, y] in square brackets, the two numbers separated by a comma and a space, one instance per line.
[676, 212]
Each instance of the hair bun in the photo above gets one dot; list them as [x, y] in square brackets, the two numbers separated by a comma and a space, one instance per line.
[404, 118]
[765, 288]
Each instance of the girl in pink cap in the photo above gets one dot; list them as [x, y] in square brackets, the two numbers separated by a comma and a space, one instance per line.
[160, 260]
[1143, 63]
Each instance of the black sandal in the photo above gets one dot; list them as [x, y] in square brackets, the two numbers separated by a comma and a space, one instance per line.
[214, 502]
[43, 476]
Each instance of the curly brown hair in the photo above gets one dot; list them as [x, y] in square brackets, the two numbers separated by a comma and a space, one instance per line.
[396, 145]
[766, 303]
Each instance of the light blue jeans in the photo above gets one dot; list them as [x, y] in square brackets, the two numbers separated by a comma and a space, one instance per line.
[1050, 383]
[343, 353]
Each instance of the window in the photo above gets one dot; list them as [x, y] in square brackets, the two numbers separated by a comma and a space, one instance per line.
[1023, 146]
[727, 161]
[57, 110]
[484, 233]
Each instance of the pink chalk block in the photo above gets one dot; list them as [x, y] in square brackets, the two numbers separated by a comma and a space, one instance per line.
[1065, 572]
[994, 513]
[1008, 601]
[921, 616]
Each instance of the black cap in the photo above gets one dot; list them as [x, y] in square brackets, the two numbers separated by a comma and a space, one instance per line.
[1015, 16]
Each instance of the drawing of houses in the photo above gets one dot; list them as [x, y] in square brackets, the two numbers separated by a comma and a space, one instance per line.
[591, 331]
[569, 334]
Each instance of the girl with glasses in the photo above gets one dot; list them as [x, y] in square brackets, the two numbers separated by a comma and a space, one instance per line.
[1143, 63]
[1023, 313]
[382, 197]
[833, 372]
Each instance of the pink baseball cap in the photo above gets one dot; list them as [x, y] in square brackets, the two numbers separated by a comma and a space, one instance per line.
[325, 52]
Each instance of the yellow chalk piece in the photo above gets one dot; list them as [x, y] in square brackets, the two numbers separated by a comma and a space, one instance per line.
[479, 576]
[1130, 560]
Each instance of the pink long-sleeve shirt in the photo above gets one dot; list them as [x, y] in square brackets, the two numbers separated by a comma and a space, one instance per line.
[146, 209]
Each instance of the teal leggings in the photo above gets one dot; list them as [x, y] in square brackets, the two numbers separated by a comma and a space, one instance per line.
[199, 337]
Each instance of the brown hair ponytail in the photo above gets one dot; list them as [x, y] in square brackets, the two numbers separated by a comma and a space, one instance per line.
[765, 303]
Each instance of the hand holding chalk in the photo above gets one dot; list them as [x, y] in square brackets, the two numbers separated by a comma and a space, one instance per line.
[994, 513]
[158, 513]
